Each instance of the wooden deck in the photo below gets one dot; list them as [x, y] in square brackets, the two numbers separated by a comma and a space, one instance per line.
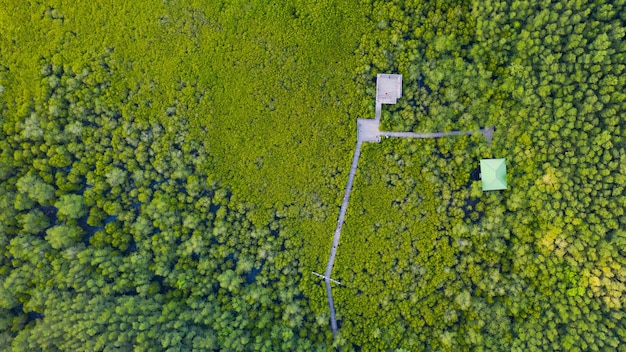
[368, 130]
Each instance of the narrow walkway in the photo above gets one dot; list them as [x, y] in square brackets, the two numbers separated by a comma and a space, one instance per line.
[487, 132]
[368, 131]
[342, 216]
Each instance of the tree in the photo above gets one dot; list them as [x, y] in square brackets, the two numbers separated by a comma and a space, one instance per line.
[33, 222]
[63, 236]
[71, 206]
[36, 189]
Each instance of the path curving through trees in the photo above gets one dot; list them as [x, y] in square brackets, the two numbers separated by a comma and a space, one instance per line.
[368, 131]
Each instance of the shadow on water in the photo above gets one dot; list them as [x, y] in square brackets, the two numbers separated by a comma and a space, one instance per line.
[469, 208]
[251, 277]
[30, 316]
[88, 229]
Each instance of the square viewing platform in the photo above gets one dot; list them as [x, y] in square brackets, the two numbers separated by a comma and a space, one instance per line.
[388, 88]
[367, 130]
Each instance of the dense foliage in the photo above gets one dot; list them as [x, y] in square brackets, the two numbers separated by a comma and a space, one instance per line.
[113, 236]
[434, 263]
[171, 172]
[160, 161]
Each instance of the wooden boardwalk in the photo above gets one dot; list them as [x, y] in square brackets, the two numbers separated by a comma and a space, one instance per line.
[333, 250]
[487, 132]
[368, 130]
[379, 108]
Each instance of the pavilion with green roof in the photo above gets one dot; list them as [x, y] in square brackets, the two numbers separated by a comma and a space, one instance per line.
[493, 174]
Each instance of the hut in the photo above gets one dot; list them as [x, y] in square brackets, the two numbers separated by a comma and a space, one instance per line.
[493, 174]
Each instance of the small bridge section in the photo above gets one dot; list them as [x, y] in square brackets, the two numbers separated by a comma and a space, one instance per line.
[487, 132]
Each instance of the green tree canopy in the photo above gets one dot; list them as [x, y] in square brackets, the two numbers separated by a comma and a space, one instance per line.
[71, 206]
[36, 189]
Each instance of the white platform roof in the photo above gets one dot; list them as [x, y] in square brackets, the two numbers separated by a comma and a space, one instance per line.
[388, 88]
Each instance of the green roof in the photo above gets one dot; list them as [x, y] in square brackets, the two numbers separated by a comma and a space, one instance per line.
[493, 174]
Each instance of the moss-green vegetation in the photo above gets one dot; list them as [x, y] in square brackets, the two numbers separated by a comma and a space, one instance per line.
[171, 172]
[433, 263]
[114, 236]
